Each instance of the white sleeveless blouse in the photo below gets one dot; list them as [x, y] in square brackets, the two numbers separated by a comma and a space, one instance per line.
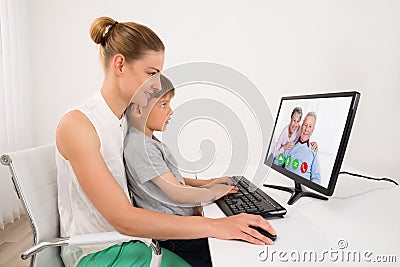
[77, 213]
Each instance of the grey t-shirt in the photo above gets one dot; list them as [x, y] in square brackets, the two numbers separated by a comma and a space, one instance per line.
[146, 159]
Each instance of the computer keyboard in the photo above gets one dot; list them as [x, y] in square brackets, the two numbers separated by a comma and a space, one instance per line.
[248, 200]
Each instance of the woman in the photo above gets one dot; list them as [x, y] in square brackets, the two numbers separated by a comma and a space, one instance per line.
[291, 133]
[93, 195]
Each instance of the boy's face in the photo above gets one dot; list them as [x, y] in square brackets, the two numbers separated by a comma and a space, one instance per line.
[160, 114]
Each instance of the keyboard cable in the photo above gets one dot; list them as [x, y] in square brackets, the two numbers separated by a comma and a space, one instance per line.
[369, 178]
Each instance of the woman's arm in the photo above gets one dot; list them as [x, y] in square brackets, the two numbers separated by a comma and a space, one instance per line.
[279, 144]
[77, 141]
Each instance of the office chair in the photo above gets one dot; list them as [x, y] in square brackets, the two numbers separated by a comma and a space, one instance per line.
[34, 176]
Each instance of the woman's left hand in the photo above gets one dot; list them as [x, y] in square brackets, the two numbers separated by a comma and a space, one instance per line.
[314, 146]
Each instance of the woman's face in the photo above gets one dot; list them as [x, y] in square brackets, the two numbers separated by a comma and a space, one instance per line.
[294, 123]
[143, 77]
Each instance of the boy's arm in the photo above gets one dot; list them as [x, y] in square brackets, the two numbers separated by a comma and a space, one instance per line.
[198, 182]
[148, 163]
[188, 194]
[208, 183]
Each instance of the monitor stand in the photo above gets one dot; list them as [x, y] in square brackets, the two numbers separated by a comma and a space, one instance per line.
[297, 192]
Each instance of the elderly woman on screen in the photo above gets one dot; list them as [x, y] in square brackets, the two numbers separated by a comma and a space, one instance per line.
[291, 133]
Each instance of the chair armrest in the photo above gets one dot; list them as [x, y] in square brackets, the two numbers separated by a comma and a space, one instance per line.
[90, 239]
[57, 242]
[111, 237]
[103, 238]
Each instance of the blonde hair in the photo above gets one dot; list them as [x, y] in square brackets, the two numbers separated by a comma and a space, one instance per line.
[130, 39]
[167, 88]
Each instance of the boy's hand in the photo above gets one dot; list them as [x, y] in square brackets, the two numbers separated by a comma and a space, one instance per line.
[233, 190]
[221, 190]
[222, 180]
[227, 181]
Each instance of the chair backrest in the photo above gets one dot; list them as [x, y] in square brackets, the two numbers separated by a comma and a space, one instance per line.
[34, 175]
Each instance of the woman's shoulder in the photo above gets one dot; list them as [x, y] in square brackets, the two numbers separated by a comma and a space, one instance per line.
[77, 115]
[285, 130]
[72, 120]
[74, 130]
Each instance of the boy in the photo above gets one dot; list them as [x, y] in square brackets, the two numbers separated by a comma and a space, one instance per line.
[154, 180]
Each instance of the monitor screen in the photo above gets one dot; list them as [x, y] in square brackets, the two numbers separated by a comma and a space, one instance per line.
[310, 137]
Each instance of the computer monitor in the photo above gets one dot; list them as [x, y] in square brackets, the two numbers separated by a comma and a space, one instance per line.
[309, 141]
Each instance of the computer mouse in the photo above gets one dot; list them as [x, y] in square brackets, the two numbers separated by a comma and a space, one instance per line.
[264, 232]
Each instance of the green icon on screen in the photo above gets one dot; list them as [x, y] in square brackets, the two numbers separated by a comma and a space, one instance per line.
[287, 161]
[295, 164]
[281, 158]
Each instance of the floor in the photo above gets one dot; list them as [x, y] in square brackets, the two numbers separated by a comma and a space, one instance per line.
[15, 238]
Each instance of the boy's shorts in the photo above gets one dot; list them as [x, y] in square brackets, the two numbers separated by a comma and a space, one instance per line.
[130, 254]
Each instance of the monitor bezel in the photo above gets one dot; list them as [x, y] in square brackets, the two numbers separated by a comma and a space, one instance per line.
[328, 191]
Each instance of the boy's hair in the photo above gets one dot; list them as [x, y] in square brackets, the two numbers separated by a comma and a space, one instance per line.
[167, 88]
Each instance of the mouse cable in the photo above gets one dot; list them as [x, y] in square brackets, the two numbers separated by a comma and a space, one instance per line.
[370, 178]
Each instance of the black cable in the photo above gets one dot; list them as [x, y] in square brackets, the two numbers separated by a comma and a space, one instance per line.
[370, 178]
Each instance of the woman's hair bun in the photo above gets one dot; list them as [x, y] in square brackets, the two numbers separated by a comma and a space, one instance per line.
[99, 27]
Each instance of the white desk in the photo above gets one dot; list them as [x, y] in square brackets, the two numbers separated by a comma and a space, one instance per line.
[364, 213]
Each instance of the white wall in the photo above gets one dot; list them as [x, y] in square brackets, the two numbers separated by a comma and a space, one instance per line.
[284, 47]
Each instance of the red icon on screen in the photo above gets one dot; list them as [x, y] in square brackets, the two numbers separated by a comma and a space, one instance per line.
[304, 167]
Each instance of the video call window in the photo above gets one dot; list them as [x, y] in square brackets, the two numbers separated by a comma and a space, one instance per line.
[307, 142]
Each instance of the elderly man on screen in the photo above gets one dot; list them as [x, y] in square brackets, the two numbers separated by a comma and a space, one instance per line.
[301, 159]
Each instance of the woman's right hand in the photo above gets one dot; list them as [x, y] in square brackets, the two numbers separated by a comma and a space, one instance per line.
[289, 145]
[237, 227]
